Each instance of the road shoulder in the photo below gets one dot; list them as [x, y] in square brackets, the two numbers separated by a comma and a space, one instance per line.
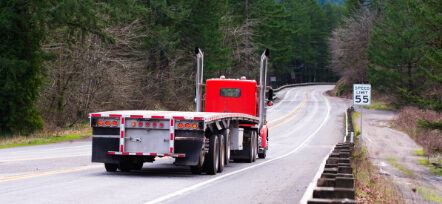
[392, 152]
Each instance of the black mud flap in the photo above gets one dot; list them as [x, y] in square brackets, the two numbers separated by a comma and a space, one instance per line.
[192, 149]
[100, 147]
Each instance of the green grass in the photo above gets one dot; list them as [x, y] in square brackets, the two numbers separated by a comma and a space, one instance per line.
[395, 164]
[356, 121]
[429, 163]
[378, 105]
[419, 152]
[73, 133]
[429, 194]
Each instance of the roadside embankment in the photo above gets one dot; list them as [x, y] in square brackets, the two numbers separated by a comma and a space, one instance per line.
[387, 168]
[371, 185]
[67, 134]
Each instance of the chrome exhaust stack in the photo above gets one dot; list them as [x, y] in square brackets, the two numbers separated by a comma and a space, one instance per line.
[262, 86]
[199, 78]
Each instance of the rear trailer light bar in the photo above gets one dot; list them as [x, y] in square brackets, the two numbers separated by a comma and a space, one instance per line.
[145, 154]
[105, 122]
[147, 123]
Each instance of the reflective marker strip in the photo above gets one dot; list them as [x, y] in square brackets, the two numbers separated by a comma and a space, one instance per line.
[145, 154]
[157, 117]
[136, 116]
[96, 115]
[114, 115]
[122, 129]
[172, 131]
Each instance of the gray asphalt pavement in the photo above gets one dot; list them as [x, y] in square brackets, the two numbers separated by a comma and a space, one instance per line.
[304, 126]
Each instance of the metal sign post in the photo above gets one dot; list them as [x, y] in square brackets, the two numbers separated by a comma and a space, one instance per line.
[361, 97]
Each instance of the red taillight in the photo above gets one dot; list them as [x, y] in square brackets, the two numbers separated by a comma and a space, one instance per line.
[133, 123]
[154, 124]
[107, 123]
[140, 124]
[187, 125]
[180, 125]
[194, 126]
[114, 123]
[161, 125]
[147, 124]
[100, 122]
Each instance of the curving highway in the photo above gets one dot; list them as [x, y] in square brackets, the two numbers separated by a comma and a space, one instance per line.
[304, 123]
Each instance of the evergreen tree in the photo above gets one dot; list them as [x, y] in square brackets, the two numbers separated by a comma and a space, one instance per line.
[24, 25]
[428, 17]
[394, 52]
[333, 15]
[20, 70]
[203, 30]
[275, 31]
[352, 6]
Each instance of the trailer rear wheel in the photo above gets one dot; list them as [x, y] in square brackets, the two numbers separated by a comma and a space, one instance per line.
[222, 151]
[125, 166]
[198, 169]
[211, 162]
[110, 167]
[137, 166]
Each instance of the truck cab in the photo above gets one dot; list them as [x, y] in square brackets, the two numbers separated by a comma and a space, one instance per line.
[231, 96]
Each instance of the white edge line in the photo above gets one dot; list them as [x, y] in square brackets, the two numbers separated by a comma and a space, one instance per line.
[196, 186]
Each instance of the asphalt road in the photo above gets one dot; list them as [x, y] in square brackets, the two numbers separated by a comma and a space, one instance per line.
[304, 126]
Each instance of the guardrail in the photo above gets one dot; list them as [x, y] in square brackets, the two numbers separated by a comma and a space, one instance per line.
[336, 184]
[303, 84]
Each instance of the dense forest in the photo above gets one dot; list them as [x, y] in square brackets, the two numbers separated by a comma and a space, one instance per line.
[395, 46]
[61, 59]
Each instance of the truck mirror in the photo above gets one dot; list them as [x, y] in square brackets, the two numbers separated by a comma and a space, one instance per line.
[270, 94]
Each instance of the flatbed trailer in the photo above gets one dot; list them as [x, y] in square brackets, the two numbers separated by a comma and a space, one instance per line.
[205, 141]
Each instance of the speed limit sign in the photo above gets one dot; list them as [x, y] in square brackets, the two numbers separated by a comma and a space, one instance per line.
[361, 94]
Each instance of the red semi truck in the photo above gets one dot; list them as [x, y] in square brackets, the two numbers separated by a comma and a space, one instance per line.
[233, 126]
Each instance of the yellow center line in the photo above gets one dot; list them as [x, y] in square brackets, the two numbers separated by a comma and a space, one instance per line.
[47, 157]
[290, 115]
[10, 178]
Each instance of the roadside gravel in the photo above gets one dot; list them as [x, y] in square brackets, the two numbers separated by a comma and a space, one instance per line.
[392, 152]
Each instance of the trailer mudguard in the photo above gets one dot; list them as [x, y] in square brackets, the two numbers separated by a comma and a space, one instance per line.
[191, 143]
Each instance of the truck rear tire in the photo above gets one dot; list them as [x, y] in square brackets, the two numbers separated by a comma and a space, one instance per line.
[251, 149]
[227, 144]
[255, 146]
[222, 153]
[211, 162]
[110, 167]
